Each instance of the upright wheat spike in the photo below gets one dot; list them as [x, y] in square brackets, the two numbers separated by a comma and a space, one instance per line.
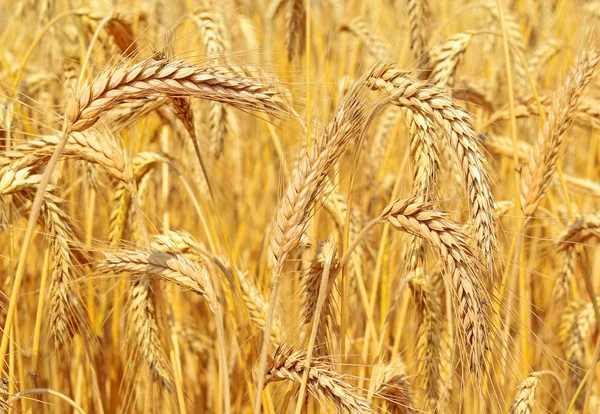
[143, 318]
[142, 164]
[308, 179]
[542, 54]
[258, 307]
[429, 336]
[517, 44]
[417, 18]
[562, 286]
[295, 28]
[378, 146]
[64, 318]
[310, 293]
[547, 19]
[426, 160]
[538, 172]
[216, 43]
[212, 30]
[336, 205]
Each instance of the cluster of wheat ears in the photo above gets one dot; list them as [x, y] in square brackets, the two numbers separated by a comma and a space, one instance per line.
[299, 206]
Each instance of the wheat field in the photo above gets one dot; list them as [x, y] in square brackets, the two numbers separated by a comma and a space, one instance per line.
[299, 206]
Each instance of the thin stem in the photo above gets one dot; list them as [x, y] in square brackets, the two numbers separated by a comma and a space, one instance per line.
[323, 287]
[30, 391]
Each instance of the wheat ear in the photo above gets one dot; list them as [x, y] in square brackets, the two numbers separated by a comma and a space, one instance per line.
[177, 269]
[213, 34]
[144, 324]
[417, 20]
[360, 28]
[394, 388]
[170, 78]
[307, 185]
[323, 382]
[460, 267]
[64, 318]
[579, 231]
[538, 172]
[295, 28]
[455, 124]
[89, 146]
[429, 336]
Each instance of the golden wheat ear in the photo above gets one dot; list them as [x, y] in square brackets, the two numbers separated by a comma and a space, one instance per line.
[449, 120]
[323, 382]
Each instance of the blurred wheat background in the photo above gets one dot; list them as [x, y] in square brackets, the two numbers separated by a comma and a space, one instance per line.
[299, 206]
